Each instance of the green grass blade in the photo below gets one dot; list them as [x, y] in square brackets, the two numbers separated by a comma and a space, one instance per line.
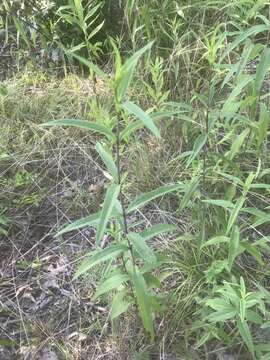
[198, 145]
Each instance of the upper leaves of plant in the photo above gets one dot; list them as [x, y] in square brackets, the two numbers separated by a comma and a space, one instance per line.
[90, 220]
[96, 257]
[144, 198]
[84, 124]
[109, 203]
[127, 71]
[143, 116]
[197, 147]
[143, 250]
[143, 302]
[108, 161]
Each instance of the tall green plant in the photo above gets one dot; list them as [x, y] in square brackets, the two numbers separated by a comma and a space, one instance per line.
[129, 258]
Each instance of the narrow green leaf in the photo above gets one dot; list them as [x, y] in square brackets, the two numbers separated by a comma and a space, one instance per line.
[109, 203]
[127, 72]
[142, 298]
[246, 336]
[84, 124]
[96, 257]
[198, 145]
[91, 66]
[234, 214]
[236, 145]
[254, 30]
[222, 203]
[222, 315]
[144, 198]
[111, 283]
[143, 250]
[263, 124]
[191, 188]
[119, 305]
[157, 230]
[143, 116]
[215, 241]
[90, 220]
[233, 246]
[108, 161]
[261, 71]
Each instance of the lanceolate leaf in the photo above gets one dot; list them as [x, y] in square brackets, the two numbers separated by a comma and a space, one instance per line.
[198, 145]
[143, 303]
[217, 202]
[109, 284]
[91, 66]
[119, 305]
[143, 116]
[83, 124]
[144, 198]
[95, 258]
[157, 230]
[127, 72]
[108, 161]
[233, 246]
[254, 30]
[90, 220]
[262, 70]
[143, 250]
[234, 214]
[109, 203]
[246, 335]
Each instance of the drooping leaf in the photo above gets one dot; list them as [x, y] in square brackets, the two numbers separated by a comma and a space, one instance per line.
[107, 208]
[90, 220]
[157, 230]
[142, 299]
[83, 124]
[143, 116]
[96, 257]
[143, 250]
[236, 145]
[108, 161]
[191, 188]
[144, 198]
[111, 283]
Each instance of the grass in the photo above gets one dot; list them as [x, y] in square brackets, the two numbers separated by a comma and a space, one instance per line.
[215, 136]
